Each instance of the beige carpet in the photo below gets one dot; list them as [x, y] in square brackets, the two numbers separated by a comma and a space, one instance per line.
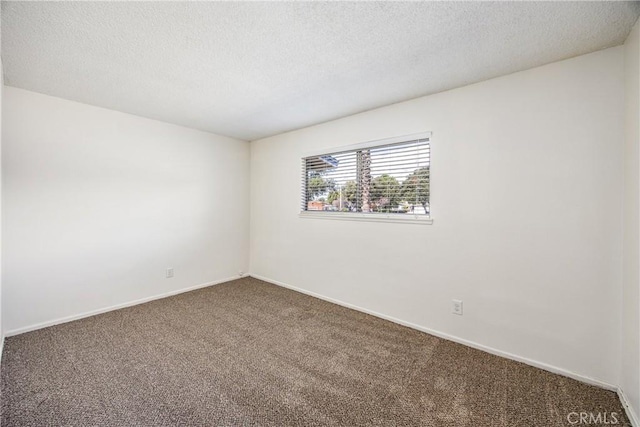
[253, 354]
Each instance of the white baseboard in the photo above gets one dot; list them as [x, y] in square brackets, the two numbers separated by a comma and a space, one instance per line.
[534, 363]
[631, 413]
[585, 379]
[114, 307]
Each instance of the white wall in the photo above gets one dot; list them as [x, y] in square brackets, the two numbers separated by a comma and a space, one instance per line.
[97, 204]
[1, 312]
[527, 206]
[630, 374]
[1, 91]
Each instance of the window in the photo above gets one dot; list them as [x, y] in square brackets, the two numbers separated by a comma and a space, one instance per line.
[381, 180]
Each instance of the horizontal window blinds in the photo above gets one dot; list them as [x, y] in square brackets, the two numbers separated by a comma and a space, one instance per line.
[391, 178]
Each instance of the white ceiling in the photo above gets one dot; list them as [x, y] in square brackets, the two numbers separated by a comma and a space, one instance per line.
[250, 70]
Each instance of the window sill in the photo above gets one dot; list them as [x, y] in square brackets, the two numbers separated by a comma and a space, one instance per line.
[372, 217]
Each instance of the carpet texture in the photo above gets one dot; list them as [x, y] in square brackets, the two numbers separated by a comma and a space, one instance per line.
[250, 353]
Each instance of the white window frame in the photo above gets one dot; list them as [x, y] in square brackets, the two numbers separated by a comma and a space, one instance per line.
[369, 216]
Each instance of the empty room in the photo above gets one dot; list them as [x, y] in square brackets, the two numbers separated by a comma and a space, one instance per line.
[309, 213]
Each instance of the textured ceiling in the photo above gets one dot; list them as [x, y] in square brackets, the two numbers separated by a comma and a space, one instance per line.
[250, 70]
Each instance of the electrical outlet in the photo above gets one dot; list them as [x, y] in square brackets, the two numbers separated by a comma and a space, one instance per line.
[169, 272]
[456, 306]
